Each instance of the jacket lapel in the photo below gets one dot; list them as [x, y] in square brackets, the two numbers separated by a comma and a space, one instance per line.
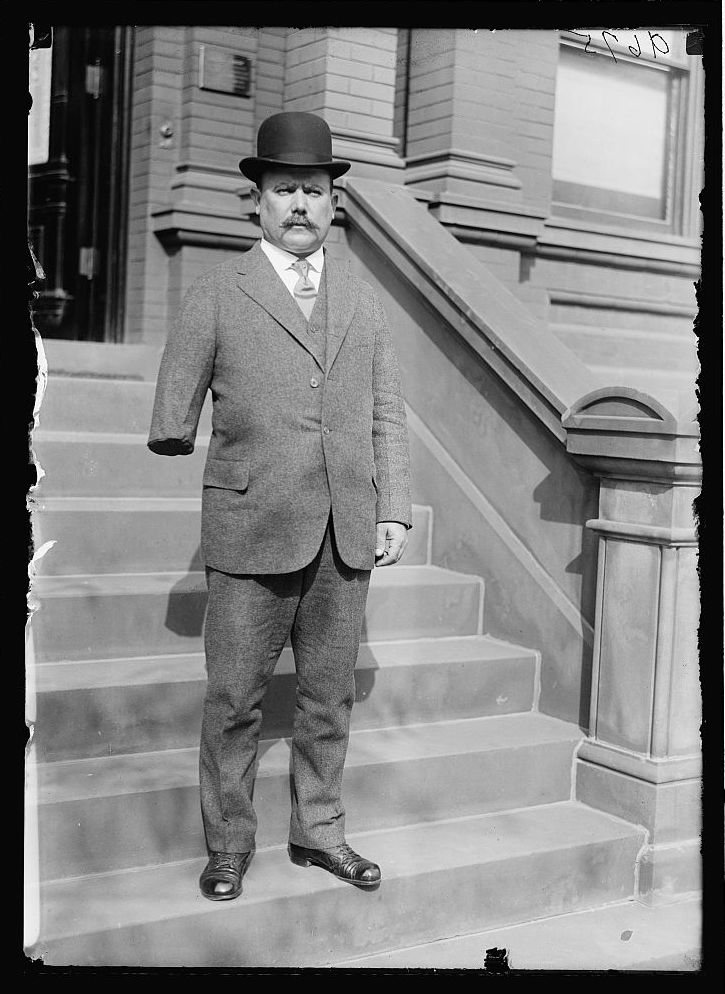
[258, 279]
[341, 302]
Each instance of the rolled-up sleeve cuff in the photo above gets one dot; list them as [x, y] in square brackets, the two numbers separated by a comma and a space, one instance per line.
[171, 446]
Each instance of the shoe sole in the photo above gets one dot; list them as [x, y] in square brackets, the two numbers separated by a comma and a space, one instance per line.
[304, 861]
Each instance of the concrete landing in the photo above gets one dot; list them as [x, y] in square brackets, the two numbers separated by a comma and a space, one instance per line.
[625, 936]
[483, 871]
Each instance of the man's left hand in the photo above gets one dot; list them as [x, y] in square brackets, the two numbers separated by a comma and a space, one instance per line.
[392, 539]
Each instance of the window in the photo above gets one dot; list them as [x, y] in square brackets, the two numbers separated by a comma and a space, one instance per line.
[623, 128]
[39, 116]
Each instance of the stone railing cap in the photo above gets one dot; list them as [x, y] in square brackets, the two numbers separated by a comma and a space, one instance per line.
[624, 409]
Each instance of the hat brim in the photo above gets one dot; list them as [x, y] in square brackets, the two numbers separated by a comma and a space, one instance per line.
[253, 166]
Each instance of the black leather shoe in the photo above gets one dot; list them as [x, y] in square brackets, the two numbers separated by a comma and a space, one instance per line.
[221, 879]
[342, 861]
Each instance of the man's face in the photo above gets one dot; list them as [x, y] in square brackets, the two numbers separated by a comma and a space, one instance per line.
[296, 208]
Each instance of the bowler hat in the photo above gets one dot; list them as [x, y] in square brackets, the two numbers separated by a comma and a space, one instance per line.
[293, 138]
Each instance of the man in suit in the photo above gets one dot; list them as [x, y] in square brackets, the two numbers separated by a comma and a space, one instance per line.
[305, 490]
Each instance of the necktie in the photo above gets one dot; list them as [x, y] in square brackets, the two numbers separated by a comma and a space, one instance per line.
[304, 289]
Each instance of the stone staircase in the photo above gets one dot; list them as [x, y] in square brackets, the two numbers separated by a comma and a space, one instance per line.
[454, 783]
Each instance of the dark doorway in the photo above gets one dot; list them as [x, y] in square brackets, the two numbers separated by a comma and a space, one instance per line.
[78, 197]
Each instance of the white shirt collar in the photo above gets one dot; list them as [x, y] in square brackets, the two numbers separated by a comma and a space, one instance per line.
[281, 259]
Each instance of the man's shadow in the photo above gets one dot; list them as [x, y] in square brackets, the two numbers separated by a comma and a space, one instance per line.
[186, 606]
[185, 614]
[554, 506]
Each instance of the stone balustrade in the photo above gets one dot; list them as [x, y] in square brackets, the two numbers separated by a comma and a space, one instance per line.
[642, 758]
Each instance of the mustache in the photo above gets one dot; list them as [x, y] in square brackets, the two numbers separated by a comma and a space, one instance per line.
[299, 219]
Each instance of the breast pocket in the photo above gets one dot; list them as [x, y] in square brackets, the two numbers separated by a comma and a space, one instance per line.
[360, 346]
[227, 474]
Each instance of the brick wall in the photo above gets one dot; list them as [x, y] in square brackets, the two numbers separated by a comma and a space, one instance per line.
[158, 65]
[485, 92]
[535, 55]
[345, 74]
[432, 76]
[462, 91]
[211, 131]
[304, 69]
[216, 127]
[270, 74]
[400, 99]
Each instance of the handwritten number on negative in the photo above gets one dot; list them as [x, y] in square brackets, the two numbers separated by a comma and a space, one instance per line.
[583, 35]
[611, 35]
[638, 51]
[655, 49]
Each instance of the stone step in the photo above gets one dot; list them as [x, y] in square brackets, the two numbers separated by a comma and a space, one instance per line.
[623, 936]
[99, 464]
[105, 707]
[439, 879]
[110, 615]
[92, 404]
[121, 811]
[136, 534]
[107, 360]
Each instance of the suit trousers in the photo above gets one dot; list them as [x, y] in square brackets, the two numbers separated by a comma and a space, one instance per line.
[249, 618]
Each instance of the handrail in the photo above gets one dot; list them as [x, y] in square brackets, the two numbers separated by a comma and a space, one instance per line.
[547, 376]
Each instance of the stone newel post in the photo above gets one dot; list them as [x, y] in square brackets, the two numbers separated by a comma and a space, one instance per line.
[642, 758]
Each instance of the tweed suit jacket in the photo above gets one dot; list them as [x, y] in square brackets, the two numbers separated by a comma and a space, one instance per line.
[302, 422]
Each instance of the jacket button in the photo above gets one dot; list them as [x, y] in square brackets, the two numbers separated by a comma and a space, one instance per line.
[314, 382]
[312, 329]
[325, 431]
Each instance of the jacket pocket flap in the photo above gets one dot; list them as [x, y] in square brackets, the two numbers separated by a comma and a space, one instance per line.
[229, 474]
